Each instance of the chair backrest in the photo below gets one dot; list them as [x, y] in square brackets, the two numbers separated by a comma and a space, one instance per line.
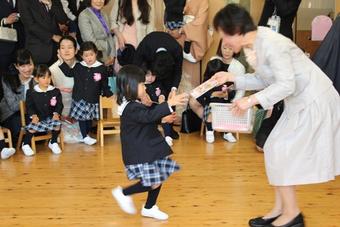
[23, 113]
[110, 105]
[320, 27]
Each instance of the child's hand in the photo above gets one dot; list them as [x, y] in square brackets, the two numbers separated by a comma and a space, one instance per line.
[161, 99]
[56, 117]
[170, 118]
[146, 100]
[178, 100]
[35, 119]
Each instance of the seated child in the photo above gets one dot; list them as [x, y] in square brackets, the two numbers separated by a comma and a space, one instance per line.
[43, 106]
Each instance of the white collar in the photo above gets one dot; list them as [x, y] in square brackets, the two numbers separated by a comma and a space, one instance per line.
[96, 64]
[161, 49]
[122, 106]
[38, 89]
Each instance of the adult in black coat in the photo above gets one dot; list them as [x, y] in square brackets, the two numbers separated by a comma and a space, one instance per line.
[9, 16]
[160, 53]
[286, 9]
[328, 55]
[41, 22]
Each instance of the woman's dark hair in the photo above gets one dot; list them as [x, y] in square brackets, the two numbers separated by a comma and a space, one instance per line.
[128, 78]
[90, 1]
[162, 64]
[219, 51]
[70, 38]
[11, 78]
[214, 66]
[23, 57]
[125, 11]
[234, 19]
[41, 71]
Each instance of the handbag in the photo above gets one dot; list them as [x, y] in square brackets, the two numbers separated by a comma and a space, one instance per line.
[190, 121]
[8, 34]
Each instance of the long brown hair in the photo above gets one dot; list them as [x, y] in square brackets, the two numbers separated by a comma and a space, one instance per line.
[125, 11]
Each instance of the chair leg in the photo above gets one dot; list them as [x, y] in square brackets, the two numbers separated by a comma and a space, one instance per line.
[98, 130]
[202, 129]
[9, 136]
[21, 136]
[101, 135]
[61, 137]
[238, 136]
[33, 145]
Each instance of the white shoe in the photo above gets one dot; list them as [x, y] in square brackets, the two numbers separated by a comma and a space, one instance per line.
[27, 150]
[229, 137]
[189, 57]
[169, 140]
[89, 141]
[125, 202]
[7, 152]
[209, 136]
[54, 147]
[154, 212]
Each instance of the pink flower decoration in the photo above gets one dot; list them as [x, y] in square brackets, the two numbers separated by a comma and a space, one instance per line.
[158, 91]
[97, 76]
[53, 101]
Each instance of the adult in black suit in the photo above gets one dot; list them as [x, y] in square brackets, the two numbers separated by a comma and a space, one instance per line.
[158, 45]
[160, 53]
[72, 9]
[40, 19]
[9, 16]
[286, 9]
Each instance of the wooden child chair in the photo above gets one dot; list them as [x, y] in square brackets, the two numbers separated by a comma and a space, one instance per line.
[46, 137]
[8, 136]
[110, 123]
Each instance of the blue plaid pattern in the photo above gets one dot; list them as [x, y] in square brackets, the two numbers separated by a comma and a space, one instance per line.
[152, 173]
[172, 25]
[44, 126]
[84, 111]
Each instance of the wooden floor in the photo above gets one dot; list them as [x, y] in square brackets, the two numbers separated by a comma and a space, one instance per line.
[219, 185]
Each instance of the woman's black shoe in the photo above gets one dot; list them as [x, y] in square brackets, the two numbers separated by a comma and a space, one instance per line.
[296, 222]
[261, 222]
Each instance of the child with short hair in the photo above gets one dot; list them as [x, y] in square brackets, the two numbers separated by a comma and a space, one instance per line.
[90, 81]
[146, 155]
[43, 106]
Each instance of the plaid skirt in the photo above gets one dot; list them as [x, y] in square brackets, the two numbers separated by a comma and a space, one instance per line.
[152, 173]
[44, 126]
[172, 25]
[84, 111]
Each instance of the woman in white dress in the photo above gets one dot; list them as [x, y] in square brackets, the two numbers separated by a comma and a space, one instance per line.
[304, 146]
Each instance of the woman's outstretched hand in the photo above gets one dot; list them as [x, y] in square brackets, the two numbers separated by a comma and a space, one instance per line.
[240, 106]
[223, 77]
[178, 100]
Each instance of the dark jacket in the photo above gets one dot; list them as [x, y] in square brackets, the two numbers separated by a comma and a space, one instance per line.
[328, 55]
[85, 86]
[41, 103]
[146, 51]
[40, 26]
[72, 5]
[151, 89]
[141, 140]
[6, 48]
[286, 9]
[174, 10]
